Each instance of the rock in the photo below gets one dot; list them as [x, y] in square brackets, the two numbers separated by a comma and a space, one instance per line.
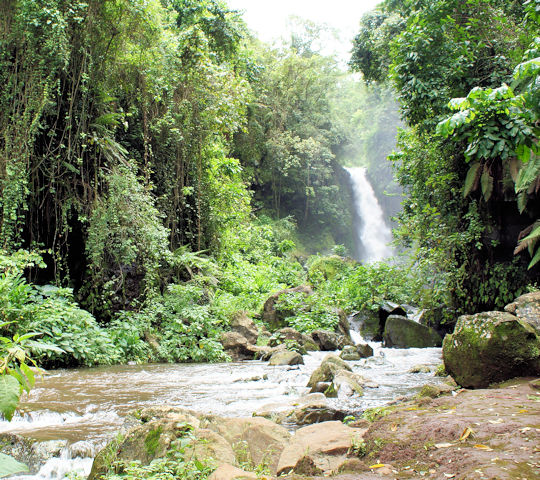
[433, 391]
[420, 369]
[286, 358]
[535, 384]
[491, 347]
[400, 332]
[288, 334]
[347, 384]
[228, 472]
[210, 445]
[326, 371]
[158, 428]
[318, 449]
[254, 440]
[152, 342]
[245, 326]
[356, 352]
[349, 353]
[276, 318]
[237, 346]
[343, 327]
[364, 350]
[367, 324]
[353, 465]
[527, 308]
[313, 408]
[30, 452]
[329, 341]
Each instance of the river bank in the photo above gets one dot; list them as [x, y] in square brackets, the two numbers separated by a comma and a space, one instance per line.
[481, 434]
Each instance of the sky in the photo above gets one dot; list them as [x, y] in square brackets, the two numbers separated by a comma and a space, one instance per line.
[268, 18]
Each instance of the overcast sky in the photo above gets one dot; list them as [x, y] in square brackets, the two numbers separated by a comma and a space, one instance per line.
[268, 18]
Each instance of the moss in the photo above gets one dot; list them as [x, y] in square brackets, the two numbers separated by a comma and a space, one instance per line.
[151, 442]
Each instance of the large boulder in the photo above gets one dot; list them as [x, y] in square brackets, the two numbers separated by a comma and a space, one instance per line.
[318, 449]
[367, 324]
[330, 341]
[237, 346]
[223, 441]
[245, 326]
[275, 318]
[527, 308]
[400, 332]
[327, 370]
[349, 353]
[254, 440]
[286, 357]
[491, 347]
[290, 335]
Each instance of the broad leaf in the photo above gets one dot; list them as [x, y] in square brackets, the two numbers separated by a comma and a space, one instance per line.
[487, 184]
[471, 181]
[10, 466]
[10, 392]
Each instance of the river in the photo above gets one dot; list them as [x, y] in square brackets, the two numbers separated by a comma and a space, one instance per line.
[84, 407]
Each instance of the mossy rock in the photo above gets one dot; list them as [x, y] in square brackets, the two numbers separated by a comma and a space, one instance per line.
[491, 347]
[400, 332]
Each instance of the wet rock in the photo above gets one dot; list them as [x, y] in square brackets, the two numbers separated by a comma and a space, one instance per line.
[245, 326]
[274, 317]
[527, 308]
[229, 472]
[347, 384]
[319, 448]
[326, 388]
[420, 369]
[364, 350]
[367, 324]
[491, 347]
[330, 341]
[400, 332]
[237, 346]
[349, 353]
[30, 452]
[286, 358]
[343, 327]
[326, 371]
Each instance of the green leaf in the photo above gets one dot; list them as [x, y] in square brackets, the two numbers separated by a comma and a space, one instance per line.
[487, 184]
[471, 181]
[10, 392]
[535, 259]
[44, 346]
[10, 466]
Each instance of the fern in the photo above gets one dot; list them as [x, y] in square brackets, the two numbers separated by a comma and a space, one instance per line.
[528, 239]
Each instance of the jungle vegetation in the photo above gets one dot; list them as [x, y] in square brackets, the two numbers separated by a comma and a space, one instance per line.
[161, 169]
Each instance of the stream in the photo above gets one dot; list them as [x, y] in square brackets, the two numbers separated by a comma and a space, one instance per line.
[84, 407]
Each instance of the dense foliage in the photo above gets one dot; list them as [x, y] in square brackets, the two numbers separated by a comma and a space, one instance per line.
[472, 178]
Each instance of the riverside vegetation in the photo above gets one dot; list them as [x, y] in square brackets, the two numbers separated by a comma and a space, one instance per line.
[162, 170]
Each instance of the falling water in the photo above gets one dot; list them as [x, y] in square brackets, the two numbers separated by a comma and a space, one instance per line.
[373, 234]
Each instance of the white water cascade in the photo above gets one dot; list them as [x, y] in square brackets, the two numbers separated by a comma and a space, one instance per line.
[373, 234]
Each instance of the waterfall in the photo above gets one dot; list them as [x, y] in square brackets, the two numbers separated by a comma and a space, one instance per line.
[372, 233]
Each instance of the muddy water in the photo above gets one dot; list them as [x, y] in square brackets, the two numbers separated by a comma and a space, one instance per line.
[88, 405]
